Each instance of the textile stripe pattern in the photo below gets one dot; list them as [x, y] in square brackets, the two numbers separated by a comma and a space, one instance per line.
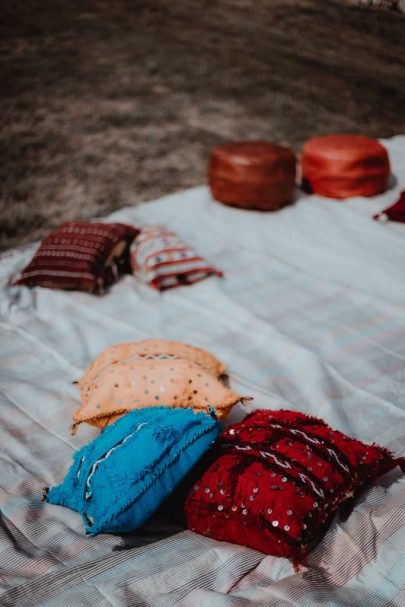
[160, 258]
[80, 256]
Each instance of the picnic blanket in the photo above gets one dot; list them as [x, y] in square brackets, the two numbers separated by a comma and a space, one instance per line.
[310, 315]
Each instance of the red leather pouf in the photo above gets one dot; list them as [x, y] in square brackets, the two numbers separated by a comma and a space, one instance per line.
[252, 175]
[340, 166]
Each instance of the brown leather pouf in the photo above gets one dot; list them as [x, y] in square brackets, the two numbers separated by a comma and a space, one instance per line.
[252, 175]
[339, 166]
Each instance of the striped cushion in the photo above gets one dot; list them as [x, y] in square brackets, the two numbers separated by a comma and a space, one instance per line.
[162, 260]
[278, 481]
[80, 256]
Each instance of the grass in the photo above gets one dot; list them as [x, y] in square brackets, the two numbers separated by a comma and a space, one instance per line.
[108, 103]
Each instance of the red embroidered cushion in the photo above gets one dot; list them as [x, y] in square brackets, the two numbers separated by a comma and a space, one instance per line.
[278, 481]
[81, 256]
[162, 260]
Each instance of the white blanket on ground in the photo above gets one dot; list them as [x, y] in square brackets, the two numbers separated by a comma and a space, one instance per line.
[310, 316]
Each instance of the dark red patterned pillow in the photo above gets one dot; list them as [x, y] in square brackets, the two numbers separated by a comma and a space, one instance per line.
[80, 256]
[278, 480]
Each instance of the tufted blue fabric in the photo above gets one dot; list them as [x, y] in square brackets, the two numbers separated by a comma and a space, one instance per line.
[120, 479]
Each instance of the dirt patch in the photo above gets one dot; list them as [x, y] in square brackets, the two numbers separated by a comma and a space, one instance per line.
[109, 103]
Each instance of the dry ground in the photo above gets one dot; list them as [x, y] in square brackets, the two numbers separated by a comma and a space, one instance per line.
[109, 102]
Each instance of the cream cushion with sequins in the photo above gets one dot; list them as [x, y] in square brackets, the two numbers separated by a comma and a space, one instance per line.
[150, 349]
[149, 373]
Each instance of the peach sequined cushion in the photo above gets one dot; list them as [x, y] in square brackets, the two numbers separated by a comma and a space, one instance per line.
[149, 373]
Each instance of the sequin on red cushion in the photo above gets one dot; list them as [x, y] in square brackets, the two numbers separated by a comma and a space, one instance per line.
[279, 479]
[80, 256]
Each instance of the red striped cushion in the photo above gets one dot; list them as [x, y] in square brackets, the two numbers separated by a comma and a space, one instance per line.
[80, 256]
[162, 260]
[278, 480]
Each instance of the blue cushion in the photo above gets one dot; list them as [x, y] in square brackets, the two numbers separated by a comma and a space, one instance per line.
[121, 478]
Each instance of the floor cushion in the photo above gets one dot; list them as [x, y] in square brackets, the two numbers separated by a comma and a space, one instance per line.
[117, 481]
[150, 373]
[80, 256]
[252, 175]
[278, 480]
[163, 260]
[340, 166]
